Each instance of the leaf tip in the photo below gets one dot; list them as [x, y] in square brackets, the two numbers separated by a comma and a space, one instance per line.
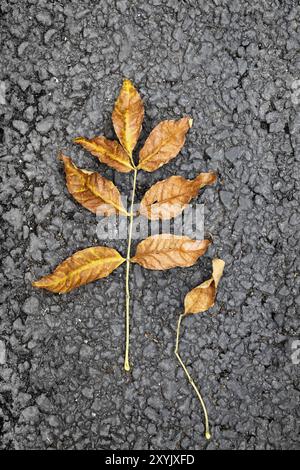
[190, 122]
[214, 177]
[218, 266]
[209, 239]
[127, 83]
[36, 283]
[206, 242]
[207, 178]
[218, 262]
[62, 157]
[78, 140]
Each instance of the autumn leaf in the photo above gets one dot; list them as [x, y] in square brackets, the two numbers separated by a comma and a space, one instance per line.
[168, 198]
[127, 116]
[83, 267]
[201, 298]
[164, 143]
[92, 190]
[167, 251]
[107, 151]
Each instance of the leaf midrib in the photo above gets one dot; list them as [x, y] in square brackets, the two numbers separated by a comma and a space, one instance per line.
[106, 200]
[153, 154]
[173, 197]
[86, 266]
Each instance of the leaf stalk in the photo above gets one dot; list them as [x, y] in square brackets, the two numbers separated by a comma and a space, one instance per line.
[127, 287]
[207, 431]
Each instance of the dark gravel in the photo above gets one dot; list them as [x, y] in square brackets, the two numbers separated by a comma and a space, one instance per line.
[234, 66]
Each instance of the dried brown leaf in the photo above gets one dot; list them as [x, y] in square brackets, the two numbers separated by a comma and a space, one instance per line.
[83, 267]
[128, 115]
[92, 190]
[168, 198]
[164, 143]
[201, 298]
[167, 251]
[107, 151]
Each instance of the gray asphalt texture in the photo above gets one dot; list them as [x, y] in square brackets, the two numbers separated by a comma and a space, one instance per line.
[234, 66]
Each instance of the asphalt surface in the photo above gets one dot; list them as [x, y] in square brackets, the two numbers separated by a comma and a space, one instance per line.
[234, 66]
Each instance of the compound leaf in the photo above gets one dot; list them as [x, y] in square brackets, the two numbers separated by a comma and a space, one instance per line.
[201, 298]
[128, 115]
[107, 151]
[164, 143]
[168, 198]
[91, 190]
[167, 251]
[83, 267]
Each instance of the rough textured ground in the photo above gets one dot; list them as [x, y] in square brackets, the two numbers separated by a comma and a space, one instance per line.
[234, 67]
